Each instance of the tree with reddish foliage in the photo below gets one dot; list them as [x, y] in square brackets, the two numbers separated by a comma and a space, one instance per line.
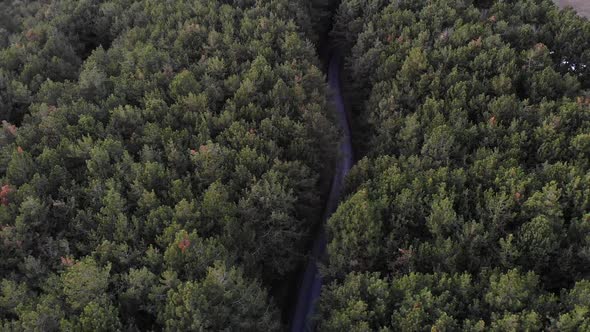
[67, 261]
[184, 244]
[4, 192]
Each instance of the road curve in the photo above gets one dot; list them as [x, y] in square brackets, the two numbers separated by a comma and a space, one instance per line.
[309, 290]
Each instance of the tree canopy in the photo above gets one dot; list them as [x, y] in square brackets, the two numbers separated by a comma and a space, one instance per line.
[163, 164]
[160, 162]
[470, 209]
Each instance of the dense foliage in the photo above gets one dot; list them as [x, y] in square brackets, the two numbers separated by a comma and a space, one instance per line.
[162, 163]
[159, 161]
[471, 209]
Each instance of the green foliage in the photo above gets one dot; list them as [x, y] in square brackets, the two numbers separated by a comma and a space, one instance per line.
[223, 300]
[142, 142]
[439, 301]
[359, 304]
[359, 232]
[160, 164]
[96, 316]
[472, 118]
[84, 282]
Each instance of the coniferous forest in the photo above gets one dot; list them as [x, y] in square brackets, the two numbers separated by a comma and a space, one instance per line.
[165, 165]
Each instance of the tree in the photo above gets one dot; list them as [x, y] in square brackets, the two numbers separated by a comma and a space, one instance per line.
[224, 299]
[356, 229]
[85, 282]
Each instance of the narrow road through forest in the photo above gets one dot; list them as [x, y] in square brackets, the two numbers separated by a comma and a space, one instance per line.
[309, 290]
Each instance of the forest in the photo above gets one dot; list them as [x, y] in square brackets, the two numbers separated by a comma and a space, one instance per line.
[164, 165]
[160, 162]
[470, 207]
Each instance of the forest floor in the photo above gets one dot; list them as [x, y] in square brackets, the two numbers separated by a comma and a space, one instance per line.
[581, 6]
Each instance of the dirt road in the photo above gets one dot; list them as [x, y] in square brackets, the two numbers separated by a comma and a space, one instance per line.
[309, 290]
[581, 6]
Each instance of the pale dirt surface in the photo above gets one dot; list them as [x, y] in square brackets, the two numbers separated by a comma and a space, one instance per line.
[581, 6]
